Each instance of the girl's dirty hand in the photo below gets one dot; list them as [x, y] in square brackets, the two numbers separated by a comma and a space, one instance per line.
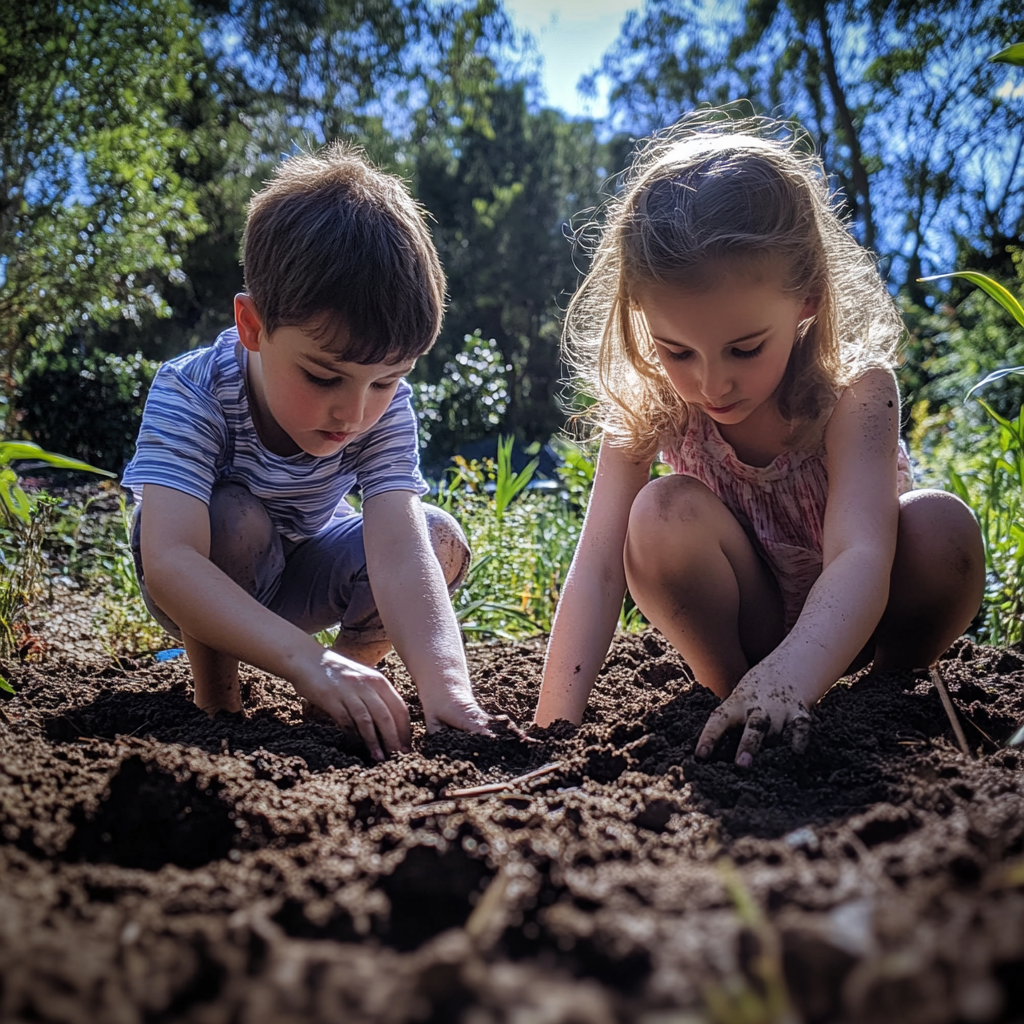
[361, 699]
[763, 707]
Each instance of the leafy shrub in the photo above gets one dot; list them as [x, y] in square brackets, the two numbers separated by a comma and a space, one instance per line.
[88, 406]
[467, 402]
[984, 465]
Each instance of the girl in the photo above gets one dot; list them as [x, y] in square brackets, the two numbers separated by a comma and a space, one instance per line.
[732, 323]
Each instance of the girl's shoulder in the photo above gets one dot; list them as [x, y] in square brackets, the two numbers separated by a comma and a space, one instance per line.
[866, 417]
[875, 389]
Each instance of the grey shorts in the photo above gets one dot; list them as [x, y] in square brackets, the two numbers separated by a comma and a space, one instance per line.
[316, 583]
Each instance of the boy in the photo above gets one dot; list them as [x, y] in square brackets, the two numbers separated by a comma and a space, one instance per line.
[244, 543]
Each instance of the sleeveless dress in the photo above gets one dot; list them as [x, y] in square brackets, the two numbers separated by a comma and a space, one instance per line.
[780, 506]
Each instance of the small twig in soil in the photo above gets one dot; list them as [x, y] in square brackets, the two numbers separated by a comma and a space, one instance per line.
[497, 787]
[947, 703]
[491, 787]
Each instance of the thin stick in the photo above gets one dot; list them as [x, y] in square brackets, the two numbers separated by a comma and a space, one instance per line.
[491, 787]
[947, 703]
[497, 787]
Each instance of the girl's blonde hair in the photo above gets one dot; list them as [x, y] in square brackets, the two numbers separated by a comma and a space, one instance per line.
[702, 200]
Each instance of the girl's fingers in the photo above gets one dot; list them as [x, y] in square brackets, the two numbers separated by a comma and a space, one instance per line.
[799, 729]
[722, 718]
[759, 724]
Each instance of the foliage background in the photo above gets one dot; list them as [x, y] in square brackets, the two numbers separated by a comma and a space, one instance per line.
[132, 134]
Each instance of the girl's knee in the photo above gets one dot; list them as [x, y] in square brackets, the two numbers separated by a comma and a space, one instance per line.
[450, 545]
[669, 512]
[942, 530]
[940, 558]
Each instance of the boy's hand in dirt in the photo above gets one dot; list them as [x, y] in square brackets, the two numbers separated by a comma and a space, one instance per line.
[361, 699]
[456, 708]
[764, 707]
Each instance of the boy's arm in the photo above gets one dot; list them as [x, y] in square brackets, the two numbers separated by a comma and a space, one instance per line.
[412, 599]
[588, 608]
[849, 597]
[210, 607]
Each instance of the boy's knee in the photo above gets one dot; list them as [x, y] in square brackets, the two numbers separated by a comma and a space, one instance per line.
[449, 544]
[244, 544]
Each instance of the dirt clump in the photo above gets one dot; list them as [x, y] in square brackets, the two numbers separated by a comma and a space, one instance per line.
[159, 866]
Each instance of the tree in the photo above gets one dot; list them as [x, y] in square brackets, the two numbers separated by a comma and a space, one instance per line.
[896, 94]
[91, 205]
[504, 199]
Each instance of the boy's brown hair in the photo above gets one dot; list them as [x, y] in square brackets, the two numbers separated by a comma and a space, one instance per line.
[331, 242]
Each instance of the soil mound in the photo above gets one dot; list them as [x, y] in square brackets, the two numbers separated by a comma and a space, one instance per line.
[159, 866]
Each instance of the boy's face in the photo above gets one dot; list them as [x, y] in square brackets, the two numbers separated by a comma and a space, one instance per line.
[306, 398]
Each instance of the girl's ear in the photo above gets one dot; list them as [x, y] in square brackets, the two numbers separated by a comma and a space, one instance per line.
[809, 310]
[248, 322]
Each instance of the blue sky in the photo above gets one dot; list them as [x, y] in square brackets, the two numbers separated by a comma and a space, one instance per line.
[571, 36]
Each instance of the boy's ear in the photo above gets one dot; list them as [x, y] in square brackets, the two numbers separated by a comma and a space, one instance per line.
[248, 322]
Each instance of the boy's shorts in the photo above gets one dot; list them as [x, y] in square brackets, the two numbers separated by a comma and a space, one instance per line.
[316, 583]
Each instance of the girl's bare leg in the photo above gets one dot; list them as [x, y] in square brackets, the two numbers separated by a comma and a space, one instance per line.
[937, 582]
[695, 574]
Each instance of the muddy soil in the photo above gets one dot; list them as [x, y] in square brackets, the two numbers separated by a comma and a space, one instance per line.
[157, 866]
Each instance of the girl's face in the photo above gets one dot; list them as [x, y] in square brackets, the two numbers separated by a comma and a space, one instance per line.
[726, 349]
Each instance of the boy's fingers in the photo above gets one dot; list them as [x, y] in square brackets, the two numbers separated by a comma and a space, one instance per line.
[399, 711]
[363, 721]
[387, 727]
[758, 726]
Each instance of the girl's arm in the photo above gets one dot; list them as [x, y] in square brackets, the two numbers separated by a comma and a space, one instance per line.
[412, 598]
[849, 597]
[588, 609]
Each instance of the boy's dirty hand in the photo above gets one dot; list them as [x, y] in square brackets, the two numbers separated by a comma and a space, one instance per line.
[361, 699]
[457, 709]
[763, 707]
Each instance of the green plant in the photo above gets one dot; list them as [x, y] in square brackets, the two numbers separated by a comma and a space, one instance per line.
[991, 481]
[759, 994]
[25, 525]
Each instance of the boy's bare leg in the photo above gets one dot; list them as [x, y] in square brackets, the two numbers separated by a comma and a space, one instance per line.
[366, 654]
[215, 675]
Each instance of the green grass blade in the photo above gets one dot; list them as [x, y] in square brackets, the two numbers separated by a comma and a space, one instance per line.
[6, 686]
[991, 287]
[10, 450]
[991, 378]
[1013, 54]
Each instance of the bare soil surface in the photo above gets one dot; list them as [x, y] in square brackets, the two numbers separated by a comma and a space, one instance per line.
[157, 866]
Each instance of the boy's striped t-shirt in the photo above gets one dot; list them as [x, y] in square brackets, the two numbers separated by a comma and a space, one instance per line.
[197, 431]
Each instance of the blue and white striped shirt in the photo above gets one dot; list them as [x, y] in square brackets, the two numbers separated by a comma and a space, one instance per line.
[197, 431]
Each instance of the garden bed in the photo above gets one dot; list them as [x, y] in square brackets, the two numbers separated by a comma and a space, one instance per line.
[157, 866]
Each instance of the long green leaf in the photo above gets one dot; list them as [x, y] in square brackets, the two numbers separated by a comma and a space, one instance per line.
[991, 287]
[1013, 54]
[13, 498]
[994, 376]
[6, 686]
[10, 450]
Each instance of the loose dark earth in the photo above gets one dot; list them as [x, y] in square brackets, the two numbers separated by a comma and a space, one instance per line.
[156, 866]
